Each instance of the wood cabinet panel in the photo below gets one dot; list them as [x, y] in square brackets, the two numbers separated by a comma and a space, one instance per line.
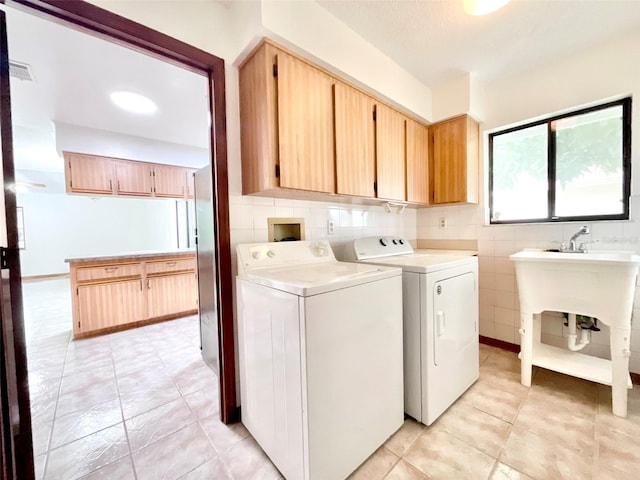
[168, 181]
[305, 126]
[355, 142]
[169, 294]
[417, 162]
[107, 305]
[259, 122]
[390, 153]
[108, 272]
[454, 161]
[170, 266]
[133, 178]
[88, 173]
[110, 296]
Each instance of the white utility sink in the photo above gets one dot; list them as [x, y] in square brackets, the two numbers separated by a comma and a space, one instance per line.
[600, 285]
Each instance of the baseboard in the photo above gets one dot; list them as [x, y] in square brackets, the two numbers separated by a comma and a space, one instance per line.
[494, 342]
[45, 277]
[512, 347]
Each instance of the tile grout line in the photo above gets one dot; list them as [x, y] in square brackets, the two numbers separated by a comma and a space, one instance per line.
[55, 411]
[124, 424]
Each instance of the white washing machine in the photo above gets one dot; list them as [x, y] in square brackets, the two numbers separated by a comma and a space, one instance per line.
[320, 356]
[440, 305]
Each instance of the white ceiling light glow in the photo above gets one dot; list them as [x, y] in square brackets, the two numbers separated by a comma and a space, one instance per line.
[482, 7]
[134, 102]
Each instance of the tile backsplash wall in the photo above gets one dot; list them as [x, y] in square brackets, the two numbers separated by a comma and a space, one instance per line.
[248, 218]
[499, 305]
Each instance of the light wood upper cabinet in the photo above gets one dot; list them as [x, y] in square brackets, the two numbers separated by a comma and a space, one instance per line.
[390, 153]
[88, 173]
[417, 162]
[168, 181]
[286, 117]
[133, 178]
[303, 129]
[355, 142]
[94, 174]
[453, 168]
[305, 126]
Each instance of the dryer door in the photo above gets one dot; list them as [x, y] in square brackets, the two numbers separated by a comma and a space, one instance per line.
[454, 317]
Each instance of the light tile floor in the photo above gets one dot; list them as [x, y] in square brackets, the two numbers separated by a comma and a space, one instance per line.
[138, 404]
[141, 404]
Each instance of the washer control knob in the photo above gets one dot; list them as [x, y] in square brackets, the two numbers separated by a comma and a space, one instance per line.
[383, 242]
[401, 241]
[319, 250]
[270, 253]
[395, 242]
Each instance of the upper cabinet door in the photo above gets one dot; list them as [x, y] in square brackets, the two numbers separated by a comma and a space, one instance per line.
[417, 162]
[133, 178]
[355, 142]
[454, 168]
[169, 181]
[390, 153]
[88, 173]
[305, 126]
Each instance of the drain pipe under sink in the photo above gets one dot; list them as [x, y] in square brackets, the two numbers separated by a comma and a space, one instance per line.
[572, 337]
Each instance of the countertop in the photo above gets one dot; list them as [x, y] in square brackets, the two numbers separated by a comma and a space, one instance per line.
[132, 255]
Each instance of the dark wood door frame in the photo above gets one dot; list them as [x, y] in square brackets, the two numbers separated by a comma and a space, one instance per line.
[115, 28]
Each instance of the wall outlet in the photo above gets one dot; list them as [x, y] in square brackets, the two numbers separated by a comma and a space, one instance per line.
[443, 222]
[331, 227]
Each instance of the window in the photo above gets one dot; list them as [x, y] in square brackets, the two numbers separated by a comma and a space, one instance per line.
[575, 166]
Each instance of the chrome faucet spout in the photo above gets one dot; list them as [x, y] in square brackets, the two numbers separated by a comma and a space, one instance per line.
[584, 230]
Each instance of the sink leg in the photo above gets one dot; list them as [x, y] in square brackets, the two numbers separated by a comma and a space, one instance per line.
[620, 364]
[526, 347]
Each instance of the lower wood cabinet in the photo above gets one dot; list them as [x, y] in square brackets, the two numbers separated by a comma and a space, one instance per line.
[113, 293]
[98, 310]
[168, 294]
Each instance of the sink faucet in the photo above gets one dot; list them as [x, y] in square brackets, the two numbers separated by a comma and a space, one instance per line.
[584, 230]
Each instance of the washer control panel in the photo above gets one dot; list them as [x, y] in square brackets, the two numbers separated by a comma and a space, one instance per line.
[275, 254]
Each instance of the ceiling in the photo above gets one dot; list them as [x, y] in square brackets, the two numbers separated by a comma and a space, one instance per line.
[74, 73]
[437, 41]
[434, 40]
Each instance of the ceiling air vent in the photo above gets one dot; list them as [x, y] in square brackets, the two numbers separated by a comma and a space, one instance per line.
[21, 71]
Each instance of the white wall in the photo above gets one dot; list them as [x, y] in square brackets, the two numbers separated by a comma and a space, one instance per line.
[601, 73]
[74, 138]
[307, 27]
[59, 226]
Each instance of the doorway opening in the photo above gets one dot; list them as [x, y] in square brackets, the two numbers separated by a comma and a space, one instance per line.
[169, 49]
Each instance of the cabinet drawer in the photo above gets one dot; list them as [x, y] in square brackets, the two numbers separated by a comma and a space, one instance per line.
[171, 265]
[104, 272]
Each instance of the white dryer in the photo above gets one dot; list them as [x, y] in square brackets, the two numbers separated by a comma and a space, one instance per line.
[440, 305]
[320, 356]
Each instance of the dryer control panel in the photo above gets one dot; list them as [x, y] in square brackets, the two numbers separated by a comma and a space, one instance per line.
[375, 247]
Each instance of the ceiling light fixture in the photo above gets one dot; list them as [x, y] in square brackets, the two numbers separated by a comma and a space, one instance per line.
[133, 102]
[482, 7]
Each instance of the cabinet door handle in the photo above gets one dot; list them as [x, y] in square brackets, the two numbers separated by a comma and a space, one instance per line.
[148, 284]
[118, 185]
[110, 185]
[140, 285]
[110, 269]
[171, 264]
